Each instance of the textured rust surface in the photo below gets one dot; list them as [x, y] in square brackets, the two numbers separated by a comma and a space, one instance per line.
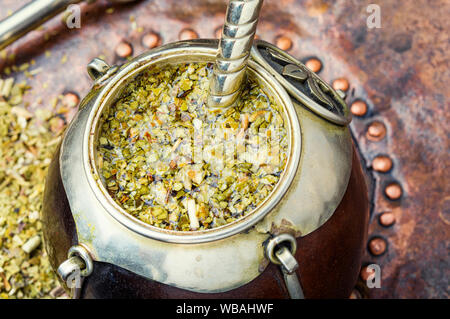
[401, 71]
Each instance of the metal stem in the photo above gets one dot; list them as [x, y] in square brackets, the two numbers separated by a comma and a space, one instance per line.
[293, 285]
[30, 17]
[234, 49]
[288, 267]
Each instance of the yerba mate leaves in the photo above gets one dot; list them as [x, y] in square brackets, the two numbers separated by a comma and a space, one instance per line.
[170, 162]
[28, 138]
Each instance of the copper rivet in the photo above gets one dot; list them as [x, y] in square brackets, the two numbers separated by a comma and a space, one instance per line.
[365, 273]
[376, 131]
[358, 108]
[377, 246]
[355, 294]
[314, 64]
[382, 163]
[283, 42]
[124, 49]
[187, 34]
[393, 191]
[151, 40]
[71, 99]
[387, 219]
[218, 32]
[341, 84]
[57, 124]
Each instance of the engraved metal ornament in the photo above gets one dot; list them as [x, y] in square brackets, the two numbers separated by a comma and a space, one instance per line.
[303, 84]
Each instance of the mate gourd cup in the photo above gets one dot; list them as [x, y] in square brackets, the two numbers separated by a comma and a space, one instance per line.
[320, 201]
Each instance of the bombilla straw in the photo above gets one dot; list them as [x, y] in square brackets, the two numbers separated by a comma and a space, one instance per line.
[32, 15]
[234, 49]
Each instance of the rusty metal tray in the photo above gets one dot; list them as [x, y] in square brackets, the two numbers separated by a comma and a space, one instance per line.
[396, 78]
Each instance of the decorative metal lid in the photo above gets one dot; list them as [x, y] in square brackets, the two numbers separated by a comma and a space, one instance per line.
[303, 84]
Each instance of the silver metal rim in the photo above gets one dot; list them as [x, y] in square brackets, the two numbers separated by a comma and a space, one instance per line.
[183, 49]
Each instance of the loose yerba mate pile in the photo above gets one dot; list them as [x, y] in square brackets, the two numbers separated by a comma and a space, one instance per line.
[171, 162]
[29, 135]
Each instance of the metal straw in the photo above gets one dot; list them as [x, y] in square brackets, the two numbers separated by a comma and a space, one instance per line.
[32, 15]
[234, 49]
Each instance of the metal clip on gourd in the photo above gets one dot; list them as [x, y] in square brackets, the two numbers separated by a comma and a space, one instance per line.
[75, 268]
[280, 250]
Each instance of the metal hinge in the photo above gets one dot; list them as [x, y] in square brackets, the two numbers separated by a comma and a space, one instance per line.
[281, 250]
